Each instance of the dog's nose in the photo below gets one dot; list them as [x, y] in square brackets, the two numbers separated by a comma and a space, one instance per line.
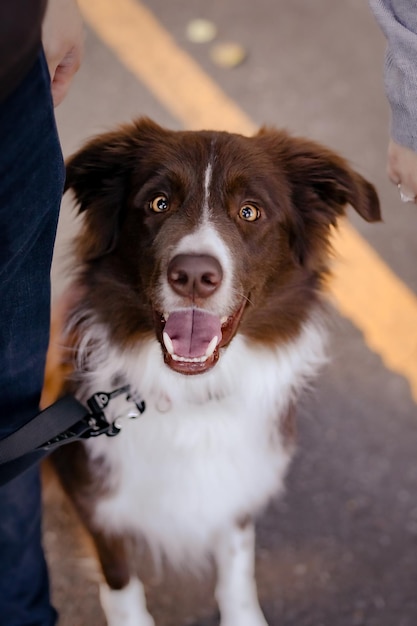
[194, 275]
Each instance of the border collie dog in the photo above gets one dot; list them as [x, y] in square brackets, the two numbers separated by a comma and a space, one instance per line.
[200, 270]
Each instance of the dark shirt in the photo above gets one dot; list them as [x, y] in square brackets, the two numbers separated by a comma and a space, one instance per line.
[20, 40]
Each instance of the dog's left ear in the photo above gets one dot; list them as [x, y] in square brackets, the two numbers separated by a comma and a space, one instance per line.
[322, 185]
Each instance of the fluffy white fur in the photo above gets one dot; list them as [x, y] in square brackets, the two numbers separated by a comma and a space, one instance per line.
[207, 451]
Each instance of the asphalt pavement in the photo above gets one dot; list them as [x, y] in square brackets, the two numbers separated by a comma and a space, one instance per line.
[340, 549]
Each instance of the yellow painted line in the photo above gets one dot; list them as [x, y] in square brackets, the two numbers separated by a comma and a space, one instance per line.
[364, 288]
[377, 302]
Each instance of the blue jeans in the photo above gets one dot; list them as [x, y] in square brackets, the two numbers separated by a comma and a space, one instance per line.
[31, 185]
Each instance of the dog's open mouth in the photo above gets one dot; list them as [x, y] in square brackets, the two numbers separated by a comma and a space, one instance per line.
[191, 338]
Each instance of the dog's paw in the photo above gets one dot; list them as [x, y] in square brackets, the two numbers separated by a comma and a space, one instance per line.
[125, 607]
[248, 617]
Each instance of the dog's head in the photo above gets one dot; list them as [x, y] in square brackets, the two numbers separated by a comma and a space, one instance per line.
[192, 235]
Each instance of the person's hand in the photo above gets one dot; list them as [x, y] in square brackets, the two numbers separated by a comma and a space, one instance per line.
[402, 170]
[63, 43]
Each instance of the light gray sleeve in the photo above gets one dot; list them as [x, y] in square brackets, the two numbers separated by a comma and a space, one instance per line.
[398, 21]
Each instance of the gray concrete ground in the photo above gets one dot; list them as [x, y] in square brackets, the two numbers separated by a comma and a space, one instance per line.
[340, 548]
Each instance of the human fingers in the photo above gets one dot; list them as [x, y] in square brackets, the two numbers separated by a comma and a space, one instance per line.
[63, 42]
[64, 74]
[402, 170]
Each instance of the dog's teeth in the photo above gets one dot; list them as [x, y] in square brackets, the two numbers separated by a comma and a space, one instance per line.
[189, 359]
[168, 343]
[212, 346]
[223, 319]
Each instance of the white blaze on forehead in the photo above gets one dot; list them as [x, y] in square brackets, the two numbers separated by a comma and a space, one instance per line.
[206, 239]
[207, 181]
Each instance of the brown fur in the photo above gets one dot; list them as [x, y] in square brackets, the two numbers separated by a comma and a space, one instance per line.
[300, 187]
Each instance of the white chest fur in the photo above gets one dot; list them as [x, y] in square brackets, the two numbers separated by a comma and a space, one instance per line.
[207, 450]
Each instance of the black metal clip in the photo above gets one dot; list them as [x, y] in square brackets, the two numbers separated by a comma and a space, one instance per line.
[98, 403]
[95, 422]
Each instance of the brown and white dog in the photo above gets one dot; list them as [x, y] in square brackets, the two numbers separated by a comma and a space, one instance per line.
[201, 266]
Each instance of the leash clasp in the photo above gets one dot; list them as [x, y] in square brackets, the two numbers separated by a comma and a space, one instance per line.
[99, 402]
[95, 423]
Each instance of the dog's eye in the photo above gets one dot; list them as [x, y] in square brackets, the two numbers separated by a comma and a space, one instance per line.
[249, 213]
[159, 204]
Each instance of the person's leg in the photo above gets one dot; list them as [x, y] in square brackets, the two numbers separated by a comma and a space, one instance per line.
[31, 184]
[24, 584]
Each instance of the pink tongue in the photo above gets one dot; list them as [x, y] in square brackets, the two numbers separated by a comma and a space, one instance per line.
[191, 331]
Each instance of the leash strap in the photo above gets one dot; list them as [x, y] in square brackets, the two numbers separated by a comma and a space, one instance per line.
[65, 421]
[62, 417]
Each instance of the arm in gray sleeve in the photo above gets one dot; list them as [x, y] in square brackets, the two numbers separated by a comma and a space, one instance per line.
[398, 21]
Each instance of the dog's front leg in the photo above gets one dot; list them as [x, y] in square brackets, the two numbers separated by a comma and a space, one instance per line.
[127, 606]
[236, 587]
[122, 596]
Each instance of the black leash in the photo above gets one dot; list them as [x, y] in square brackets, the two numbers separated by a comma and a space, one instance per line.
[65, 421]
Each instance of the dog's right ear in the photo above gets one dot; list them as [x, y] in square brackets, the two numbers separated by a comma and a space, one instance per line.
[97, 175]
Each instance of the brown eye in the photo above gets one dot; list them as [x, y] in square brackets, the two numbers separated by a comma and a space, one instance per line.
[159, 204]
[249, 213]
